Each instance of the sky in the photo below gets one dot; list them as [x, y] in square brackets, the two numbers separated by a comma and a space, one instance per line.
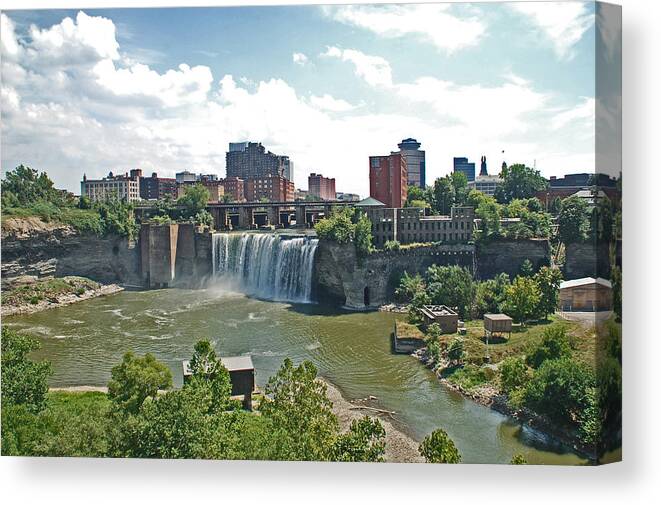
[166, 90]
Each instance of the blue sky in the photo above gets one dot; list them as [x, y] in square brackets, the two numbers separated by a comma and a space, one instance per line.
[166, 89]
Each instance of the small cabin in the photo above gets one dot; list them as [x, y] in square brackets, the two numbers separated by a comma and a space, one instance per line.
[242, 376]
[497, 325]
[442, 315]
[586, 295]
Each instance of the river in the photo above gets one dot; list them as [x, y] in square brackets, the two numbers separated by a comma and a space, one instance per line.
[352, 350]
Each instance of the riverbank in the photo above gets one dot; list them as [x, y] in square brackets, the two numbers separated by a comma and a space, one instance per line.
[400, 448]
[489, 396]
[32, 295]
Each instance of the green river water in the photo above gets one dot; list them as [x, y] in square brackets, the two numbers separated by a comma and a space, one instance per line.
[351, 350]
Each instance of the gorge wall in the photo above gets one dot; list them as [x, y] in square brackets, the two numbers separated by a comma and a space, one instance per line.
[590, 259]
[342, 278]
[508, 256]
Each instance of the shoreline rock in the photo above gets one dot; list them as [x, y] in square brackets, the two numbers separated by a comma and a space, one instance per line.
[68, 299]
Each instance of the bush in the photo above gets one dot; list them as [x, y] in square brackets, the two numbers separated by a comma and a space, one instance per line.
[554, 345]
[391, 245]
[469, 376]
[513, 374]
[438, 447]
[346, 226]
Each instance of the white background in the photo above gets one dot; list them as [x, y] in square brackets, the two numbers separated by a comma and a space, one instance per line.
[636, 480]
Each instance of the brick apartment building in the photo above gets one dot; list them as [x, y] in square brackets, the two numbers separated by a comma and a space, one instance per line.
[157, 188]
[272, 188]
[321, 187]
[388, 179]
[248, 160]
[235, 188]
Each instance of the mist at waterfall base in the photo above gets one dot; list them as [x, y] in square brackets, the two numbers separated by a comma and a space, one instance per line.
[268, 266]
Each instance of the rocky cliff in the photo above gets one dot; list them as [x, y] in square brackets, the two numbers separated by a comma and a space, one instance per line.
[342, 278]
[590, 259]
[508, 256]
[32, 247]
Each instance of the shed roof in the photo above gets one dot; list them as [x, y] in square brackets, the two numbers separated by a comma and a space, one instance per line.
[370, 202]
[437, 310]
[585, 281]
[497, 317]
[232, 363]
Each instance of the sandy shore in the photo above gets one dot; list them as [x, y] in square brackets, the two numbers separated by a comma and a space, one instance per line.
[400, 448]
[10, 310]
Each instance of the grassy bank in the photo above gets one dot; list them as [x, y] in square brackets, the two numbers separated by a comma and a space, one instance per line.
[50, 290]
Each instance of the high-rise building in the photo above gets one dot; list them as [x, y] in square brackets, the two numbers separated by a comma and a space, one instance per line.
[415, 162]
[126, 187]
[271, 187]
[389, 179]
[157, 188]
[321, 187]
[464, 166]
[250, 159]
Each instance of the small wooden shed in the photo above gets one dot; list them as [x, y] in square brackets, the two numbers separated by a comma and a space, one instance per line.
[242, 376]
[497, 324]
[586, 295]
[442, 315]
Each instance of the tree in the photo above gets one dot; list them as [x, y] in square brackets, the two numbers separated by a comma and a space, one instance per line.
[207, 370]
[601, 221]
[409, 286]
[346, 226]
[548, 280]
[616, 278]
[526, 268]
[519, 181]
[363, 235]
[518, 459]
[27, 186]
[554, 345]
[414, 193]
[522, 299]
[490, 295]
[296, 405]
[135, 379]
[24, 382]
[452, 286]
[117, 216]
[513, 374]
[455, 351]
[365, 441]
[443, 195]
[460, 187]
[439, 448]
[194, 199]
[84, 202]
[203, 218]
[488, 211]
[573, 222]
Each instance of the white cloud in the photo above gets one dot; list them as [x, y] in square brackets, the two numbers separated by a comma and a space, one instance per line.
[299, 58]
[331, 104]
[563, 23]
[432, 23]
[71, 104]
[374, 70]
[584, 111]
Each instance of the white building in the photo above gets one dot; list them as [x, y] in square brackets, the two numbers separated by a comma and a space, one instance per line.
[486, 184]
[126, 187]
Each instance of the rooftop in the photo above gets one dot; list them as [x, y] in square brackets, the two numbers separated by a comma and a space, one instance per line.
[232, 363]
[497, 317]
[370, 202]
[437, 310]
[585, 281]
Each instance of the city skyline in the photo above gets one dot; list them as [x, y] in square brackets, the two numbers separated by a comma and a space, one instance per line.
[98, 90]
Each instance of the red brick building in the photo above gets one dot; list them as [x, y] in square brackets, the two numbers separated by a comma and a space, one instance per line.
[321, 187]
[235, 187]
[272, 188]
[388, 179]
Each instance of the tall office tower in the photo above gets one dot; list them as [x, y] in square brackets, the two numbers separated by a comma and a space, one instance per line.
[415, 162]
[389, 179]
[248, 160]
[462, 165]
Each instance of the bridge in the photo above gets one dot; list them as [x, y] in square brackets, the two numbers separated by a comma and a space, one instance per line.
[248, 215]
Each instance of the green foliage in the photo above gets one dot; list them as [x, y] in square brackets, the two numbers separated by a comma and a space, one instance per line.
[117, 216]
[135, 379]
[554, 345]
[84, 203]
[526, 268]
[455, 351]
[420, 299]
[564, 391]
[452, 286]
[444, 195]
[438, 447]
[24, 187]
[391, 245]
[203, 218]
[522, 299]
[365, 441]
[490, 295]
[513, 374]
[24, 382]
[548, 280]
[208, 370]
[469, 376]
[488, 211]
[616, 280]
[518, 459]
[194, 200]
[296, 405]
[409, 286]
[460, 187]
[346, 226]
[519, 181]
[573, 220]
[161, 219]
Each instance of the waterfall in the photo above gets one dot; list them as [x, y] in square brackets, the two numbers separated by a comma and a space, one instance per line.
[266, 264]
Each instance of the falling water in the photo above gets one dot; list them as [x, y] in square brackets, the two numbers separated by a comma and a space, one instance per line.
[266, 265]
